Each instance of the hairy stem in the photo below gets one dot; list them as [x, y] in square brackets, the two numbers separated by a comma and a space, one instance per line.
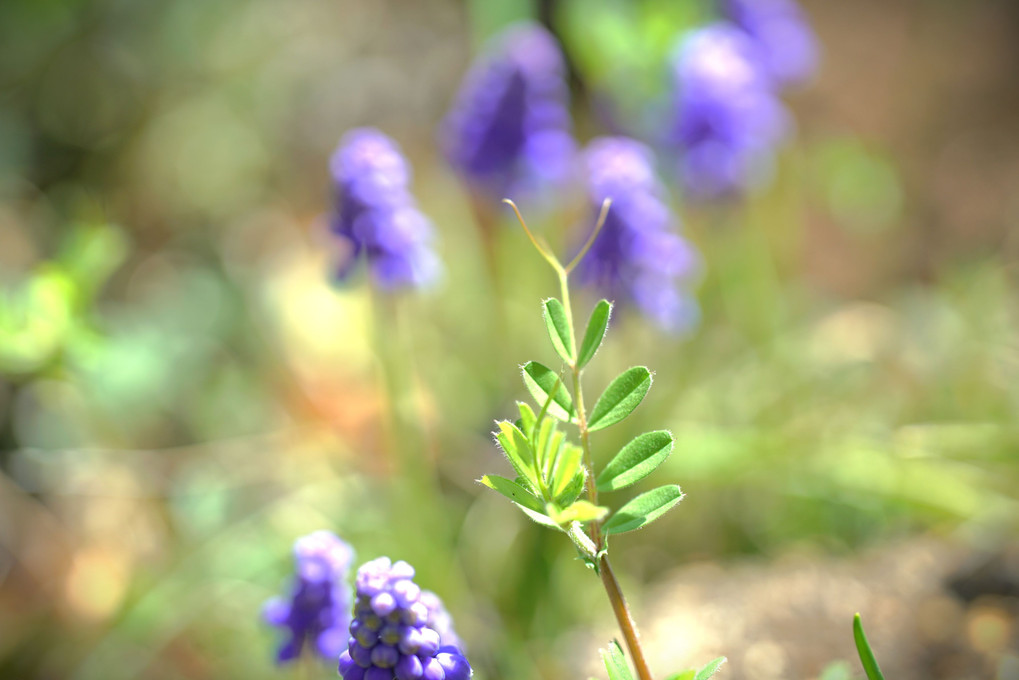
[623, 617]
[608, 577]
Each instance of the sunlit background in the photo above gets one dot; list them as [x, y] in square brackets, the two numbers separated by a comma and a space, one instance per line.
[184, 388]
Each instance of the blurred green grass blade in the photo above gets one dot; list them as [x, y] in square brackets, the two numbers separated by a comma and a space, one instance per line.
[870, 666]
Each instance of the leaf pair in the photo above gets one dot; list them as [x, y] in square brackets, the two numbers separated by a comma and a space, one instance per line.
[619, 399]
[560, 331]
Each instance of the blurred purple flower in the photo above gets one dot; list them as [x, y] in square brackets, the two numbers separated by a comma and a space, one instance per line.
[393, 635]
[728, 118]
[509, 129]
[377, 216]
[317, 611]
[636, 258]
[786, 44]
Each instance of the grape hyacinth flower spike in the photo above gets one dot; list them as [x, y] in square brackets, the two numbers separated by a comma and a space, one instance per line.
[786, 44]
[376, 215]
[728, 118]
[636, 258]
[509, 128]
[317, 611]
[397, 631]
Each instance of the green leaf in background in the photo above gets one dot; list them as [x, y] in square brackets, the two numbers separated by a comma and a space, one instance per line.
[560, 330]
[643, 509]
[541, 381]
[595, 333]
[684, 675]
[636, 460]
[870, 666]
[518, 451]
[580, 511]
[620, 398]
[615, 662]
[710, 669]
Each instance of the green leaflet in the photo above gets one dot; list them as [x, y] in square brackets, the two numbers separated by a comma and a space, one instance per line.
[512, 491]
[620, 398]
[527, 419]
[643, 509]
[710, 669]
[560, 330]
[615, 662]
[541, 381]
[595, 333]
[518, 451]
[636, 460]
[580, 511]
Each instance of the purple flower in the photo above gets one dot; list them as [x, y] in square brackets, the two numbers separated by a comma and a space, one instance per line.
[394, 633]
[377, 216]
[317, 611]
[785, 42]
[509, 130]
[728, 118]
[637, 258]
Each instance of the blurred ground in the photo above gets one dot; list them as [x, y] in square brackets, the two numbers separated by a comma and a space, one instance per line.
[182, 392]
[932, 609]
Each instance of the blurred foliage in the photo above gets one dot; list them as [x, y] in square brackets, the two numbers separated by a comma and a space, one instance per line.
[182, 393]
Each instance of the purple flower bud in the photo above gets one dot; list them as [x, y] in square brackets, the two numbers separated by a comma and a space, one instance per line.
[409, 667]
[453, 663]
[316, 612]
[509, 130]
[378, 673]
[377, 216]
[728, 118]
[786, 45]
[433, 670]
[439, 619]
[405, 647]
[637, 258]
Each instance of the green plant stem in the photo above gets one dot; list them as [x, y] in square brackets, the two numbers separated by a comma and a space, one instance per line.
[623, 617]
[608, 577]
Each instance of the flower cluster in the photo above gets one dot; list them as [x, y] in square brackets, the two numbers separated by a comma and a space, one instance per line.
[377, 216]
[509, 129]
[636, 257]
[729, 118]
[395, 631]
[317, 611]
[786, 46]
